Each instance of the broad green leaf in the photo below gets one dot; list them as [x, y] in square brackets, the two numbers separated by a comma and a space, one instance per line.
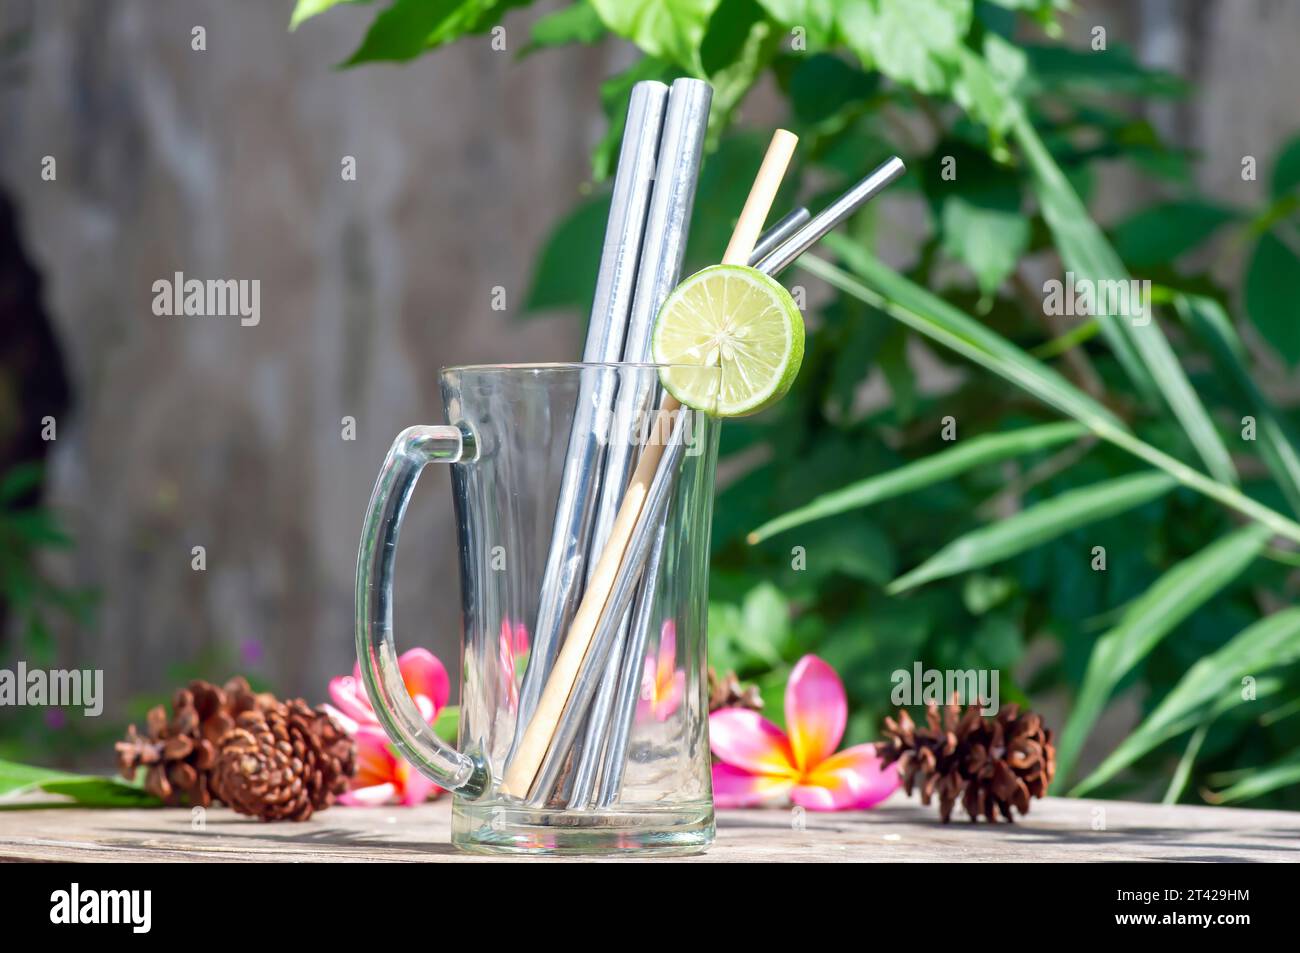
[914, 42]
[305, 9]
[1036, 525]
[667, 29]
[410, 27]
[1113, 70]
[1286, 169]
[1211, 323]
[986, 231]
[1214, 680]
[1138, 341]
[823, 84]
[1160, 233]
[968, 454]
[565, 274]
[989, 87]
[909, 303]
[1271, 299]
[764, 622]
[577, 23]
[1147, 620]
[815, 17]
[1262, 780]
[737, 46]
[18, 779]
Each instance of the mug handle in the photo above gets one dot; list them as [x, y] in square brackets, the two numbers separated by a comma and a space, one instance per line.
[414, 448]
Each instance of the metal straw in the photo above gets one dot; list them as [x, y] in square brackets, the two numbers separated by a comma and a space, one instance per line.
[574, 510]
[778, 233]
[835, 213]
[663, 249]
[596, 661]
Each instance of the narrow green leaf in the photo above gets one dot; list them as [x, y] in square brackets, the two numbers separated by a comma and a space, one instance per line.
[1148, 619]
[1262, 780]
[1178, 783]
[944, 465]
[1212, 324]
[18, 779]
[1137, 339]
[1214, 680]
[909, 303]
[1036, 525]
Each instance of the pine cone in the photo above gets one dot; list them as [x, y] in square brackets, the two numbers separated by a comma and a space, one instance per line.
[180, 751]
[991, 764]
[728, 692]
[283, 762]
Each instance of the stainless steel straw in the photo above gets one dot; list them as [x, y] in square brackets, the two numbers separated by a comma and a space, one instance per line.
[575, 508]
[596, 662]
[663, 249]
[778, 233]
[835, 213]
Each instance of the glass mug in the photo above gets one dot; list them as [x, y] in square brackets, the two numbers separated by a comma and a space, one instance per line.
[626, 767]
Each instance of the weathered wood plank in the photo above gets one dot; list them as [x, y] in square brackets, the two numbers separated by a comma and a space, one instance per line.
[1056, 830]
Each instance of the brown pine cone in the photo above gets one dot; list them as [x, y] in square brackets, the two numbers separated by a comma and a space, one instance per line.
[728, 692]
[180, 750]
[283, 762]
[991, 764]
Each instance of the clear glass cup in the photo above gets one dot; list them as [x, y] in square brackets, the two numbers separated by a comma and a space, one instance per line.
[532, 447]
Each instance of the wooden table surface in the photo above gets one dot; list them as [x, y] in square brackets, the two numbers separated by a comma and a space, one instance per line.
[1056, 829]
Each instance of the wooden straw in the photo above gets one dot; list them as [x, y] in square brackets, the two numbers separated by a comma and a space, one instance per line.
[522, 769]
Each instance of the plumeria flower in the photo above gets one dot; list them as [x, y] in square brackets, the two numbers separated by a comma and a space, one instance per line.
[383, 776]
[426, 681]
[759, 765]
[662, 685]
[512, 645]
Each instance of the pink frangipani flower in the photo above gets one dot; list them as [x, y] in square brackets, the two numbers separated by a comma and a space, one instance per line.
[383, 776]
[662, 684]
[759, 765]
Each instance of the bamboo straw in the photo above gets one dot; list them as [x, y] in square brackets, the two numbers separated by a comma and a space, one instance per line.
[523, 767]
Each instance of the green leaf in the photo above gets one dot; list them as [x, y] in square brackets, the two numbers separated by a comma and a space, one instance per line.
[1113, 70]
[1037, 525]
[1262, 780]
[1142, 348]
[1147, 620]
[447, 725]
[1286, 169]
[305, 9]
[1212, 681]
[914, 42]
[944, 465]
[565, 274]
[984, 229]
[20, 480]
[1162, 232]
[988, 88]
[904, 301]
[764, 622]
[18, 779]
[736, 48]
[409, 27]
[1271, 299]
[1211, 323]
[577, 23]
[667, 29]
[815, 17]
[823, 84]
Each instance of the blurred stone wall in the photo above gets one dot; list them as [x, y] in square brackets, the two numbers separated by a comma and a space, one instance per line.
[227, 163]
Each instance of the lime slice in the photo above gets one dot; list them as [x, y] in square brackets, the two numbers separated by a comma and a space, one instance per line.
[737, 319]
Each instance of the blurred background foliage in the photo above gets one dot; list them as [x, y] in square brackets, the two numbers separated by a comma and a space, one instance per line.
[1146, 549]
[848, 522]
